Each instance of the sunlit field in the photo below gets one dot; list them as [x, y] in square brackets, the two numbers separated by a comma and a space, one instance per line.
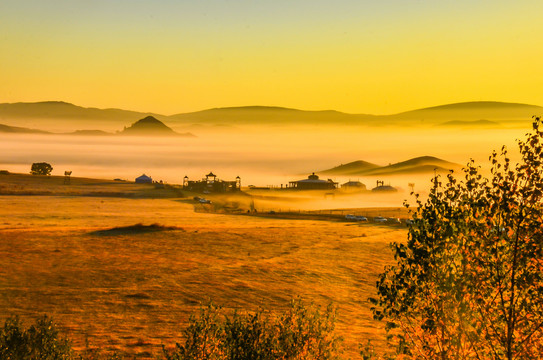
[133, 292]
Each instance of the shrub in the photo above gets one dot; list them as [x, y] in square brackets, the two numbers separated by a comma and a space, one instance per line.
[300, 333]
[40, 342]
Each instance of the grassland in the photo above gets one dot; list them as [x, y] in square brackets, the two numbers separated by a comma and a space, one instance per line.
[132, 291]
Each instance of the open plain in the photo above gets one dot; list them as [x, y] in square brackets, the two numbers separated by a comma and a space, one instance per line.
[133, 291]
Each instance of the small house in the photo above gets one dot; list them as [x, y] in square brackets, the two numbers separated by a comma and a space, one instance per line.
[144, 179]
[353, 186]
[381, 187]
[313, 183]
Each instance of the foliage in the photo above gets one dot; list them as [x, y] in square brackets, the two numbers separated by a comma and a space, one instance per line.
[39, 342]
[41, 168]
[468, 284]
[300, 333]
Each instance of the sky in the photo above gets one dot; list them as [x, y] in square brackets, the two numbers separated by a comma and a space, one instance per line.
[356, 56]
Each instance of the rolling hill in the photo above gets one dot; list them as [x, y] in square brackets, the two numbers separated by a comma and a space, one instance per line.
[419, 165]
[150, 126]
[471, 111]
[61, 116]
[64, 110]
[354, 167]
[20, 130]
[70, 117]
[267, 115]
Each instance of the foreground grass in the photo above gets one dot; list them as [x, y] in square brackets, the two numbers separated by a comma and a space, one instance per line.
[303, 332]
[133, 292]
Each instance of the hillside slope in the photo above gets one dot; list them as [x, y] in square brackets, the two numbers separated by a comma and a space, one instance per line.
[419, 165]
[354, 167]
[150, 126]
[20, 130]
[470, 111]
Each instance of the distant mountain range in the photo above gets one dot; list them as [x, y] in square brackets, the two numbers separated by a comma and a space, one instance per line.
[419, 165]
[148, 126]
[468, 114]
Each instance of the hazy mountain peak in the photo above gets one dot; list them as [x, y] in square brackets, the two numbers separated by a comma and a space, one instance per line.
[150, 120]
[150, 125]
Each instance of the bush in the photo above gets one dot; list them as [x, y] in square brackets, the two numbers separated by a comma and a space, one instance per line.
[468, 284]
[299, 333]
[42, 168]
[41, 341]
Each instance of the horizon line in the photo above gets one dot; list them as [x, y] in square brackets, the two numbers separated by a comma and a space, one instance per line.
[268, 107]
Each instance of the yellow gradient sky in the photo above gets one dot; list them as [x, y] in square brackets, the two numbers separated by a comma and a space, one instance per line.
[355, 56]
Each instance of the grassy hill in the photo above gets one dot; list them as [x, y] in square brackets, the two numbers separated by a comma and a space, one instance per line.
[351, 168]
[419, 165]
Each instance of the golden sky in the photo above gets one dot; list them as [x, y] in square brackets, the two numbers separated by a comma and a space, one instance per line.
[355, 56]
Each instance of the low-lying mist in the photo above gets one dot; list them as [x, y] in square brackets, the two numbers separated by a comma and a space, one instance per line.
[260, 155]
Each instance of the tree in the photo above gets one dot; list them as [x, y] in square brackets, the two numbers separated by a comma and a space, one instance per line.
[41, 168]
[468, 284]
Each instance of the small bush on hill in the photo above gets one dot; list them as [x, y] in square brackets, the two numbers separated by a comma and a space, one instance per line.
[41, 168]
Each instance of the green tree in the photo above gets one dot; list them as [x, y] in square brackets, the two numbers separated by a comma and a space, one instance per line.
[41, 168]
[301, 333]
[468, 284]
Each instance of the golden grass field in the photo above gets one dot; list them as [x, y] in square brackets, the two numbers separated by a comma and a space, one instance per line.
[133, 292]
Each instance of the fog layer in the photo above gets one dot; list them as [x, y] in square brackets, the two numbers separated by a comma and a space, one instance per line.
[260, 155]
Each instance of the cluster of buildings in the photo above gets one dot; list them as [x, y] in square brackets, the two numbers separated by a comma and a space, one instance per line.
[211, 184]
[314, 183]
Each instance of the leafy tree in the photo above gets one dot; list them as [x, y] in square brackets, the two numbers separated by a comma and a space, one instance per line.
[300, 333]
[468, 284]
[41, 341]
[41, 168]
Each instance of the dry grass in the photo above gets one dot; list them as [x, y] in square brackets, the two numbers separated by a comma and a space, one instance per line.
[134, 290]
[23, 184]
